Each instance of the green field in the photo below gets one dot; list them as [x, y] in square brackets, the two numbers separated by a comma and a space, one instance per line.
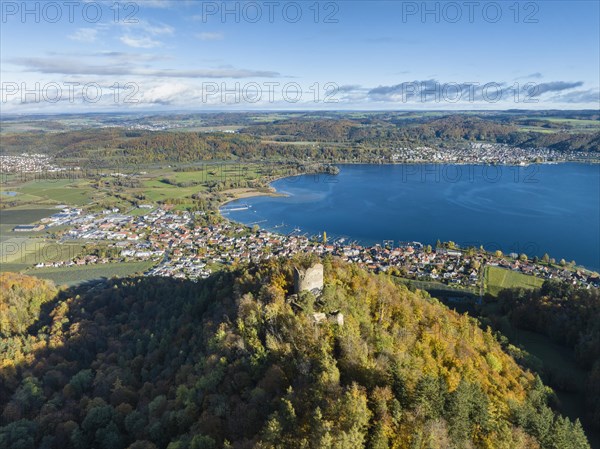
[9, 218]
[537, 129]
[19, 198]
[156, 190]
[498, 278]
[148, 186]
[139, 211]
[19, 216]
[575, 121]
[569, 124]
[66, 191]
[31, 251]
[78, 274]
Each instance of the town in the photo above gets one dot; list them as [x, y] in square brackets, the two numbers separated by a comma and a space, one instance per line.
[475, 153]
[186, 245]
[28, 163]
[487, 153]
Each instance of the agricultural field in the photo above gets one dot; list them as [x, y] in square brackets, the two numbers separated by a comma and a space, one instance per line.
[138, 211]
[537, 129]
[47, 192]
[560, 124]
[577, 123]
[18, 253]
[65, 191]
[161, 186]
[13, 199]
[498, 278]
[152, 185]
[9, 218]
[79, 274]
[17, 216]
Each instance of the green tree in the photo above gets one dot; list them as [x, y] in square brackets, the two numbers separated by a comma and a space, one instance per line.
[30, 395]
[353, 419]
[18, 435]
[202, 442]
[429, 397]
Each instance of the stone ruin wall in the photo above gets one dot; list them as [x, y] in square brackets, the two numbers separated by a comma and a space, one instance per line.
[309, 279]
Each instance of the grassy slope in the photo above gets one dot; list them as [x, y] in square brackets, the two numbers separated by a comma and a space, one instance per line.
[499, 278]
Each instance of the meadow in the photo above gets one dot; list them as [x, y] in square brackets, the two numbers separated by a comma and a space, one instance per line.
[79, 274]
[9, 218]
[152, 185]
[498, 278]
[17, 216]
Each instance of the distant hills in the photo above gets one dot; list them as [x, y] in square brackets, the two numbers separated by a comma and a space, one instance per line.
[318, 136]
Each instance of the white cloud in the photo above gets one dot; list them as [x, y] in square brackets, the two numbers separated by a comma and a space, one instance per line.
[140, 42]
[168, 93]
[84, 35]
[210, 36]
[141, 34]
[157, 29]
[114, 65]
[143, 26]
[590, 96]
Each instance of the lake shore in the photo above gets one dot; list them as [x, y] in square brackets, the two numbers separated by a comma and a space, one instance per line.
[269, 190]
[241, 193]
[409, 190]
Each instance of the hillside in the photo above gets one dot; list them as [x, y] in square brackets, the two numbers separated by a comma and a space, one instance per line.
[315, 137]
[568, 316]
[446, 131]
[231, 362]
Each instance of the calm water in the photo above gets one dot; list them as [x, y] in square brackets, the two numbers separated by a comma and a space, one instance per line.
[534, 209]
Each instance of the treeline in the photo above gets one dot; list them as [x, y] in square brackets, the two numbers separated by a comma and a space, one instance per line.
[231, 362]
[452, 129]
[379, 132]
[569, 316]
[116, 147]
[560, 141]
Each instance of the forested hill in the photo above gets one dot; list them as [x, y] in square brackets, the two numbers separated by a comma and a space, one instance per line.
[231, 362]
[314, 138]
[456, 128]
[448, 131]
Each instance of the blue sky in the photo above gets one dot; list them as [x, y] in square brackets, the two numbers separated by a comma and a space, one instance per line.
[192, 55]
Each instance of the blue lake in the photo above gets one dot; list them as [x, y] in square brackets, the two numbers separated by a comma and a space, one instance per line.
[537, 209]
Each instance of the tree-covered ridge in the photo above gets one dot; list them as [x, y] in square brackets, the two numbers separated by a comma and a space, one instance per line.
[444, 131]
[232, 362]
[568, 315]
[116, 145]
[338, 138]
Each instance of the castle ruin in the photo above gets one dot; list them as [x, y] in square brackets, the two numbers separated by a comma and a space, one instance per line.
[310, 280]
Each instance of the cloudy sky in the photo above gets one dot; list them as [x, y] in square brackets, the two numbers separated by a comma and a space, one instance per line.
[60, 56]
